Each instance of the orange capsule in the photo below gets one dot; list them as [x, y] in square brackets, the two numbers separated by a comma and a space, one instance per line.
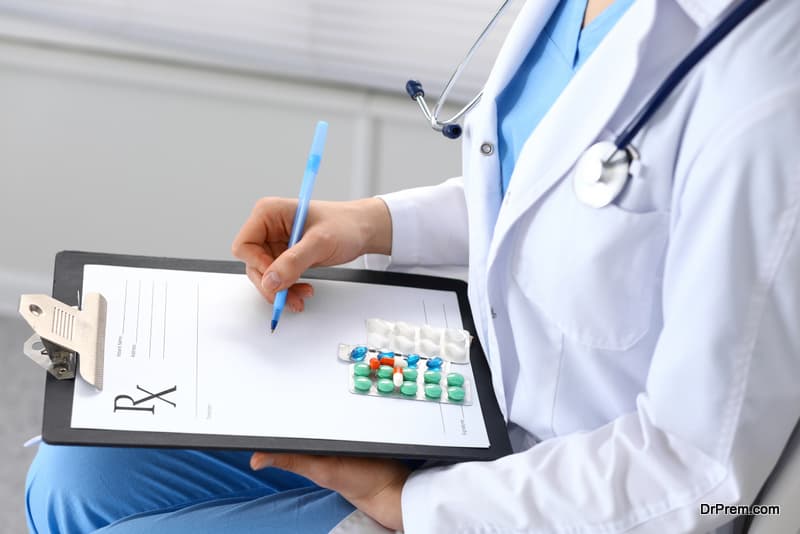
[387, 361]
[374, 364]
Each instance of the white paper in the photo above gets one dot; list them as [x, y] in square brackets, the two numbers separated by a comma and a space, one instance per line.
[191, 352]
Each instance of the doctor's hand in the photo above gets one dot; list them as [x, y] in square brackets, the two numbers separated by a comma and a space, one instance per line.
[334, 233]
[373, 486]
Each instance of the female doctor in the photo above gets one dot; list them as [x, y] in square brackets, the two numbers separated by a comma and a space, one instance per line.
[645, 354]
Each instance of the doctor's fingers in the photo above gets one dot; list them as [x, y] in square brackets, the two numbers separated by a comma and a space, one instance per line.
[270, 221]
[325, 471]
[356, 479]
[314, 248]
[295, 296]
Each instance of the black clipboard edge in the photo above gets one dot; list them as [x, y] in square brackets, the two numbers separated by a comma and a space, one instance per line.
[56, 429]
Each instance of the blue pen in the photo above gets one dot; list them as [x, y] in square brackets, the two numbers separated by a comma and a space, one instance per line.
[309, 177]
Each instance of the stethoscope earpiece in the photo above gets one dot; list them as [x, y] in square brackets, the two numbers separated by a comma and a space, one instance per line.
[414, 89]
[451, 131]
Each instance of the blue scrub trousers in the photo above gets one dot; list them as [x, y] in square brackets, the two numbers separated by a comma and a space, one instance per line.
[121, 490]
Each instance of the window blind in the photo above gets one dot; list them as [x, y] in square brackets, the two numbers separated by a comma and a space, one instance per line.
[365, 43]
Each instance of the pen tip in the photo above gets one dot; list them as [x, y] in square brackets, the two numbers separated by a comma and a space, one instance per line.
[273, 326]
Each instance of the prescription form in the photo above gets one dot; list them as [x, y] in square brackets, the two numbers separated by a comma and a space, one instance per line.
[191, 352]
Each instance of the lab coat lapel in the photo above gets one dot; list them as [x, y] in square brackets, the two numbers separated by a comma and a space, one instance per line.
[485, 193]
[577, 117]
[482, 182]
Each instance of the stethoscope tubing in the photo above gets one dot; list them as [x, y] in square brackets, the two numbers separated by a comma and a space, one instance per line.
[415, 91]
[461, 66]
[676, 76]
[624, 140]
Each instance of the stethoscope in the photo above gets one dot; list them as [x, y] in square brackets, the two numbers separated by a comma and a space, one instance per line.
[604, 168]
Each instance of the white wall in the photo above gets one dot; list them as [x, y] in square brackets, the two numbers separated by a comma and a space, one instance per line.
[114, 152]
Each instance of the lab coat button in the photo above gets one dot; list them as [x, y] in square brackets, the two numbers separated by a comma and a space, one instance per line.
[487, 149]
[494, 314]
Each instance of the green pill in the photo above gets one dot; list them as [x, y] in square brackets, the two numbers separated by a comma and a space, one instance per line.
[455, 379]
[409, 388]
[433, 377]
[385, 385]
[384, 371]
[410, 374]
[455, 393]
[362, 383]
[361, 369]
[433, 391]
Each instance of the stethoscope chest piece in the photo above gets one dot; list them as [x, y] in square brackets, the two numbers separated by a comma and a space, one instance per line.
[601, 173]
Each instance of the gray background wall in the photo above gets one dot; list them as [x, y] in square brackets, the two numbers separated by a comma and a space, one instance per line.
[113, 152]
[125, 155]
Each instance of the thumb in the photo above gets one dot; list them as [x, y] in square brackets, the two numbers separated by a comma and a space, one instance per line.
[290, 265]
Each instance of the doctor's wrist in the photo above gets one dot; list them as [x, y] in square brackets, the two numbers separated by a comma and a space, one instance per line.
[385, 506]
[376, 225]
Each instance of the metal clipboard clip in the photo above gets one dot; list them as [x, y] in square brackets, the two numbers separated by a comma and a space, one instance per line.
[67, 338]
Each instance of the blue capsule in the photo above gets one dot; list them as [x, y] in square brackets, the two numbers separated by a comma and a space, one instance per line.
[435, 363]
[385, 354]
[358, 353]
[413, 359]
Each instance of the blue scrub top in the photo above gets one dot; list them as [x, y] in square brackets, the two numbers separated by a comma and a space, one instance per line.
[554, 59]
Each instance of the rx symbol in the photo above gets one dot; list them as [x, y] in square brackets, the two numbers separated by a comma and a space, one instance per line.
[134, 403]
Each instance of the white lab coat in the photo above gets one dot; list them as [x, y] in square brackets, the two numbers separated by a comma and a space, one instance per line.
[647, 354]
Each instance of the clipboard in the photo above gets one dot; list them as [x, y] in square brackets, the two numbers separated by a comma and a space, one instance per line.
[60, 392]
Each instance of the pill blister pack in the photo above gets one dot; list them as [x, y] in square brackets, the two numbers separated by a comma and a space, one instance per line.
[450, 344]
[386, 373]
